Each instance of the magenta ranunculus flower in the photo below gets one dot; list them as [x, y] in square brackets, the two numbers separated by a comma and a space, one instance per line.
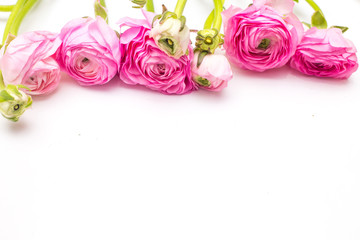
[90, 52]
[144, 63]
[259, 37]
[214, 72]
[325, 53]
[29, 60]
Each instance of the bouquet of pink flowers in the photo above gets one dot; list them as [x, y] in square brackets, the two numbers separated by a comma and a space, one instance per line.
[156, 51]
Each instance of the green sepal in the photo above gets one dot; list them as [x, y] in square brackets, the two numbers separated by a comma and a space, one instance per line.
[29, 102]
[14, 89]
[318, 20]
[157, 17]
[139, 3]
[296, 1]
[202, 82]
[343, 29]
[183, 22]
[201, 57]
[166, 15]
[5, 96]
[168, 44]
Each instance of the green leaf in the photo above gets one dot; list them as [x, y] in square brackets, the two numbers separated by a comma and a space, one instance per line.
[343, 29]
[296, 1]
[318, 20]
[5, 96]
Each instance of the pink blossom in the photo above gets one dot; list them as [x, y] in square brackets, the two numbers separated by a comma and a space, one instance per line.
[284, 7]
[214, 72]
[260, 38]
[325, 53]
[90, 52]
[29, 61]
[144, 63]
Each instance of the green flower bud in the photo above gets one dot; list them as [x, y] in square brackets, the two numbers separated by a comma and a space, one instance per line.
[14, 102]
[208, 40]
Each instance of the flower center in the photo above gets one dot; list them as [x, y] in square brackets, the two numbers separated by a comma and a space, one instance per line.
[264, 44]
[203, 81]
[161, 68]
[170, 42]
[208, 40]
[85, 60]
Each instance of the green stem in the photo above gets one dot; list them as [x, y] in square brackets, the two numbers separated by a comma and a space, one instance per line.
[13, 15]
[19, 18]
[2, 84]
[102, 3]
[150, 6]
[179, 9]
[314, 5]
[6, 8]
[217, 13]
[209, 21]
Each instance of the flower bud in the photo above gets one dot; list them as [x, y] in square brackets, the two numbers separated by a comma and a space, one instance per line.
[13, 102]
[171, 34]
[213, 73]
[208, 40]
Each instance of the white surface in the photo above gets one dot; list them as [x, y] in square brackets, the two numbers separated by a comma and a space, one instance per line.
[274, 156]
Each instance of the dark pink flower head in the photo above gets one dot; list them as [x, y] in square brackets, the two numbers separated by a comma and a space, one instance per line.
[29, 60]
[325, 53]
[259, 37]
[144, 63]
[90, 52]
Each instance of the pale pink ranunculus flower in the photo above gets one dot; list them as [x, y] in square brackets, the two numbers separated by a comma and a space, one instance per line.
[170, 30]
[260, 38]
[29, 60]
[325, 53]
[90, 51]
[144, 63]
[214, 72]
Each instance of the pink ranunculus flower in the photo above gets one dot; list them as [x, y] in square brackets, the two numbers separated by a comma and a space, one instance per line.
[90, 52]
[144, 63]
[260, 38]
[284, 7]
[325, 53]
[29, 60]
[214, 72]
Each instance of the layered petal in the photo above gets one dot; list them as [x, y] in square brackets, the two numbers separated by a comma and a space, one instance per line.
[90, 51]
[325, 53]
[29, 60]
[144, 63]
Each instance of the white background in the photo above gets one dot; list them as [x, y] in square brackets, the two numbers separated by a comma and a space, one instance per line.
[275, 156]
